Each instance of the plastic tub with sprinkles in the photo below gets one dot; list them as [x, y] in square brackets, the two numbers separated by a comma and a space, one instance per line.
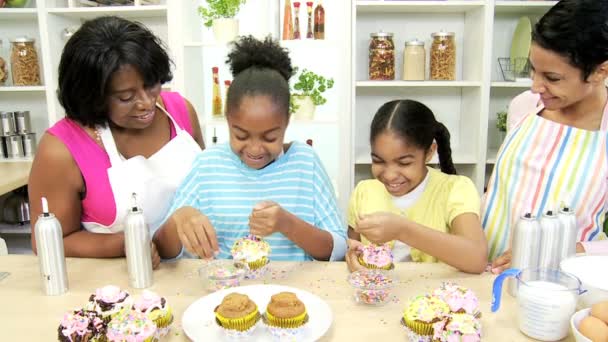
[222, 274]
[373, 286]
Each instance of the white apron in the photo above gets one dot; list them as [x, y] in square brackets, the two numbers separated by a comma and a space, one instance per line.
[154, 179]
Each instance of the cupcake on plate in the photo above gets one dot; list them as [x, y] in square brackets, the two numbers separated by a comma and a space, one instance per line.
[237, 315]
[82, 326]
[376, 256]
[108, 301]
[131, 325]
[459, 298]
[457, 328]
[420, 315]
[254, 251]
[285, 316]
[156, 308]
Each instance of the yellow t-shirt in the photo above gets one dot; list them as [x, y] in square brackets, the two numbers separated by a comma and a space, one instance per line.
[444, 198]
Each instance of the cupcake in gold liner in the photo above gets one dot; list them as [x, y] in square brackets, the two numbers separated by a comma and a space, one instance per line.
[459, 298]
[131, 325]
[108, 301]
[254, 251]
[156, 308]
[420, 314]
[376, 257]
[237, 315]
[285, 317]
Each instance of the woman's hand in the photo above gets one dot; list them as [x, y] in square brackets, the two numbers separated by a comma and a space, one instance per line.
[155, 256]
[380, 227]
[195, 232]
[502, 262]
[352, 255]
[266, 218]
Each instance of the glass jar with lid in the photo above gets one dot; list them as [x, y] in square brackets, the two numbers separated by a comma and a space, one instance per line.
[381, 56]
[24, 62]
[443, 56]
[3, 63]
[414, 61]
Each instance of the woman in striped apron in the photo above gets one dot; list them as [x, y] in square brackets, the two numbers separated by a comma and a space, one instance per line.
[556, 148]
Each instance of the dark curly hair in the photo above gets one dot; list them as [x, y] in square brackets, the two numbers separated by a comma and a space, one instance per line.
[415, 123]
[259, 68]
[578, 30]
[92, 55]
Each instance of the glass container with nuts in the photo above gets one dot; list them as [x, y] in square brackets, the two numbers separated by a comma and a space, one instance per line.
[381, 56]
[24, 62]
[443, 56]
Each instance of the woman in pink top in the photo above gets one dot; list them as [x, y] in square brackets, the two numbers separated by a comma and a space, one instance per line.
[556, 149]
[121, 135]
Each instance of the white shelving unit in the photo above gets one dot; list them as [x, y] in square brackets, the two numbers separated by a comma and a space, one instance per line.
[468, 105]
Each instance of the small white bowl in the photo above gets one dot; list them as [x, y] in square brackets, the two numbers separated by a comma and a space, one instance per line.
[588, 268]
[575, 321]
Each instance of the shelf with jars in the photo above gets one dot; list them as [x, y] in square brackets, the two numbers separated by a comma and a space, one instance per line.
[417, 6]
[529, 7]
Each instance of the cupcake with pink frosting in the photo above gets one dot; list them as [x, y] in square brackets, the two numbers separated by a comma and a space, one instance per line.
[131, 326]
[460, 299]
[82, 326]
[457, 328]
[108, 301]
[376, 257]
[155, 307]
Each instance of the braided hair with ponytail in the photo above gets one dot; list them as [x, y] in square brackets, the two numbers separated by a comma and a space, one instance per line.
[416, 124]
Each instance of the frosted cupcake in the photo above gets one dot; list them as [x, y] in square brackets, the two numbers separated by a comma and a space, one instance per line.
[108, 301]
[254, 251]
[82, 326]
[457, 328]
[237, 315]
[156, 308]
[285, 316]
[376, 257]
[420, 315]
[460, 299]
[131, 325]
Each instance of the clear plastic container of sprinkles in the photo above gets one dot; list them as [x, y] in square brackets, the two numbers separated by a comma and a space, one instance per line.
[222, 274]
[373, 286]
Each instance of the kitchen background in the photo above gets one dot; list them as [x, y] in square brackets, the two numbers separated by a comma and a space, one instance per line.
[472, 51]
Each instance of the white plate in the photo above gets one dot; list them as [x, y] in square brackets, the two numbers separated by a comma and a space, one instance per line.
[199, 318]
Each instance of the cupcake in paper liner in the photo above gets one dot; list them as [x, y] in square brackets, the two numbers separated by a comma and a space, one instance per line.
[82, 326]
[254, 251]
[376, 257]
[131, 325]
[457, 327]
[459, 298]
[421, 313]
[108, 301]
[285, 316]
[237, 315]
[156, 308]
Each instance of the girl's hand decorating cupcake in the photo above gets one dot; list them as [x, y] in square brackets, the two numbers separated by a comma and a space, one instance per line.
[380, 227]
[195, 232]
[267, 217]
[352, 255]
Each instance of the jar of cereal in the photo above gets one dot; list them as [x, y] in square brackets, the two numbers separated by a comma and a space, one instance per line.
[381, 56]
[3, 65]
[24, 62]
[443, 56]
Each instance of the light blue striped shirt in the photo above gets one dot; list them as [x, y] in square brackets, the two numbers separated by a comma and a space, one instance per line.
[223, 188]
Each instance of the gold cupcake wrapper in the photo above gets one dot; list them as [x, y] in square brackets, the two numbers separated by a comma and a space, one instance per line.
[293, 322]
[162, 318]
[374, 267]
[420, 328]
[240, 324]
[254, 265]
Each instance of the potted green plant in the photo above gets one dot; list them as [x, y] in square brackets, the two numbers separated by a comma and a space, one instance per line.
[501, 124]
[307, 93]
[219, 15]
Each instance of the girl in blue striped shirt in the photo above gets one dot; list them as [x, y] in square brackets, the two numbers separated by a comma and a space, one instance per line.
[256, 184]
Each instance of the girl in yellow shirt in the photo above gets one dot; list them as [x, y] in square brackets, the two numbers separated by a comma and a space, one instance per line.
[426, 215]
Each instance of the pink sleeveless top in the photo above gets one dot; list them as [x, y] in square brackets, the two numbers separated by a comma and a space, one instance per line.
[99, 205]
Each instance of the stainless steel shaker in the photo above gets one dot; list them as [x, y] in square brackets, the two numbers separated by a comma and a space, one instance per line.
[14, 146]
[524, 247]
[29, 144]
[138, 248]
[550, 241]
[22, 122]
[51, 257]
[7, 124]
[569, 233]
